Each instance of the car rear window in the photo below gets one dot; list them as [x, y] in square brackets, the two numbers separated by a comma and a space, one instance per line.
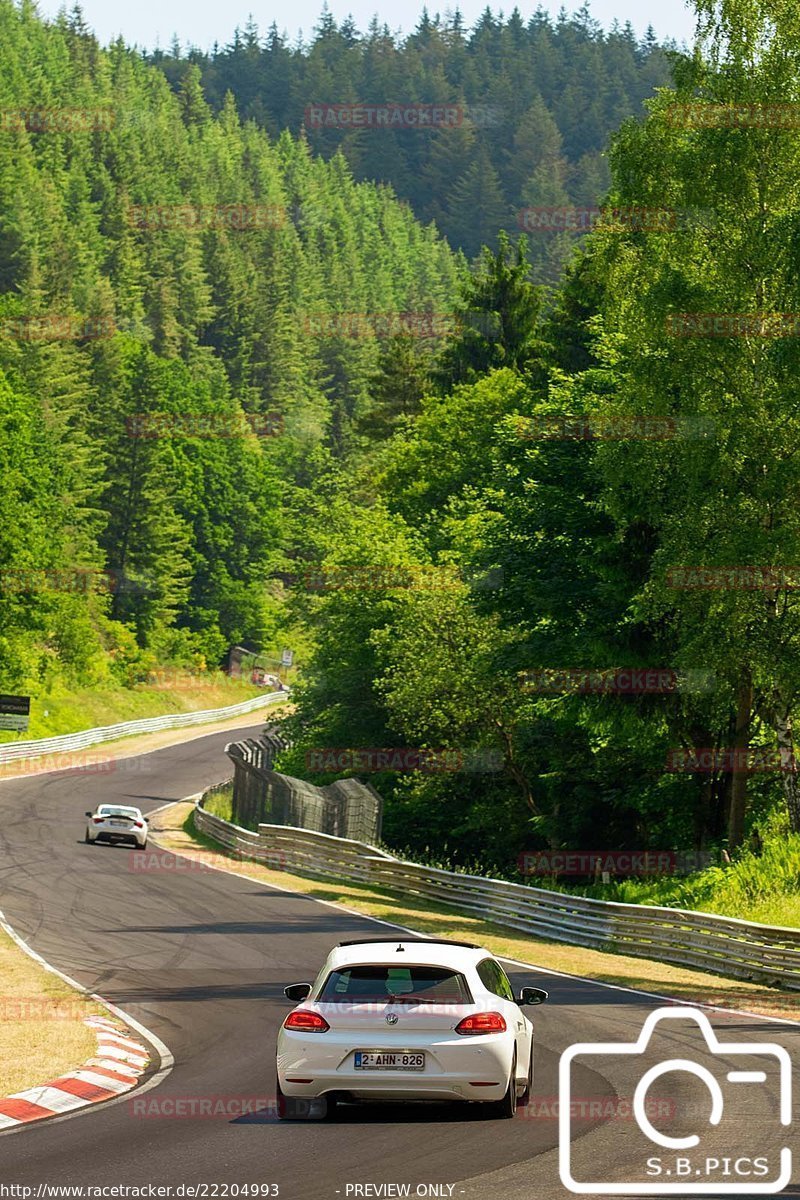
[106, 810]
[429, 985]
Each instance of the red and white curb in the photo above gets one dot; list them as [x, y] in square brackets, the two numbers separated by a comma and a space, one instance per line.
[116, 1068]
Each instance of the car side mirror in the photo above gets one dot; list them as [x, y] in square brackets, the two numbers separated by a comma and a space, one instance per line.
[532, 995]
[88, 814]
[297, 991]
[146, 820]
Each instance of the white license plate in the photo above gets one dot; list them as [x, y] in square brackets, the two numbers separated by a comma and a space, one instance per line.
[119, 824]
[389, 1060]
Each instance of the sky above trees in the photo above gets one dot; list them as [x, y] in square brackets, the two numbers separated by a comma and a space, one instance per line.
[202, 22]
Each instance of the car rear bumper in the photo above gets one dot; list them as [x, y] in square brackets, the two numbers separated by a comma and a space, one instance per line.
[107, 836]
[456, 1068]
[420, 1088]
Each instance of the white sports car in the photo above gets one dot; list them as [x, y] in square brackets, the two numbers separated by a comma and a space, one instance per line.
[417, 1019]
[116, 823]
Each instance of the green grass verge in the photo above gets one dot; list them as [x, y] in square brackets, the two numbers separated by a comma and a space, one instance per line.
[761, 887]
[220, 804]
[42, 1031]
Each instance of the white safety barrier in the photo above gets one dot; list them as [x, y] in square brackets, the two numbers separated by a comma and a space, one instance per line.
[723, 945]
[13, 751]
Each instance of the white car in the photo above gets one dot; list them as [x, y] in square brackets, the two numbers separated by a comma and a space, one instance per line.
[416, 1019]
[116, 823]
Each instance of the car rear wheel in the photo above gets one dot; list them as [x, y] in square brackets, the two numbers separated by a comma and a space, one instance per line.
[87, 839]
[506, 1108]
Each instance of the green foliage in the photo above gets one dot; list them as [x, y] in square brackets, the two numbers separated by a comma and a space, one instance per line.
[498, 313]
[201, 318]
[577, 532]
[537, 102]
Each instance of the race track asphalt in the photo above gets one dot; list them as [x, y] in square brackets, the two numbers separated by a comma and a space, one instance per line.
[201, 959]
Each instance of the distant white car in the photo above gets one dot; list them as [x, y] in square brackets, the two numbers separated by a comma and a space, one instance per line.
[117, 823]
[417, 1019]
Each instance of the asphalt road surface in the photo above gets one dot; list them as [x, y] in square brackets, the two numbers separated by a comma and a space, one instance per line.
[201, 959]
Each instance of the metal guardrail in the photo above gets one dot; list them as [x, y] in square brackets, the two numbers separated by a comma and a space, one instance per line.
[293, 849]
[13, 751]
[722, 945]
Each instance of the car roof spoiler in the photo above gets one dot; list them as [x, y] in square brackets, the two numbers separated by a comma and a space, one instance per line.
[414, 941]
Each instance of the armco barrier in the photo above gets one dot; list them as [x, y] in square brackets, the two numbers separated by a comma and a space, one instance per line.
[722, 945]
[12, 751]
[304, 850]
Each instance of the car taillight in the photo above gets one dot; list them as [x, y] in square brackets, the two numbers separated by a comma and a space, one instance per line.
[98, 820]
[487, 1022]
[305, 1021]
[138, 824]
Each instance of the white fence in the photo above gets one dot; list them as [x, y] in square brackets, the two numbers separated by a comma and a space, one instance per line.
[723, 945]
[13, 751]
